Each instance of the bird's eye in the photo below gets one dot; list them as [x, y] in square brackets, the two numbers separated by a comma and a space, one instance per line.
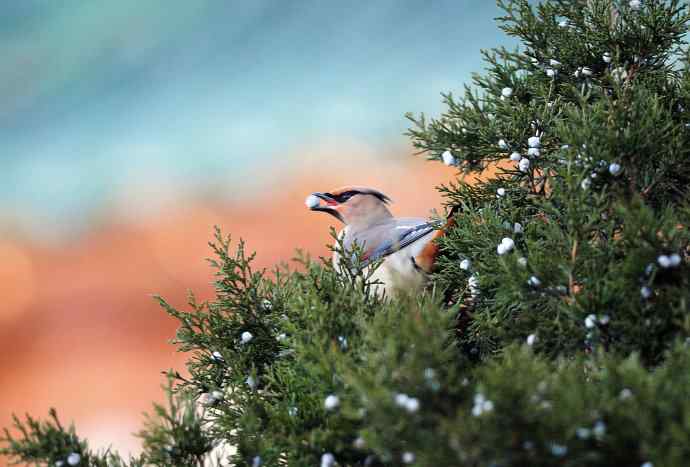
[345, 196]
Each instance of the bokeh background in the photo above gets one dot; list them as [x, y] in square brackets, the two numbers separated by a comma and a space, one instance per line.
[129, 129]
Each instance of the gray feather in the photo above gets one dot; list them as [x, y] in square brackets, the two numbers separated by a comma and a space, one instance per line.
[389, 236]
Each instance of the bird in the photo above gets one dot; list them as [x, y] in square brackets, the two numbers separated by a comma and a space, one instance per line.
[406, 246]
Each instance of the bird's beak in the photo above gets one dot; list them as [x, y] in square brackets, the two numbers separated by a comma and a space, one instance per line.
[331, 206]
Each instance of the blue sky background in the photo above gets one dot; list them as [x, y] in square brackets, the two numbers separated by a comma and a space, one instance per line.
[101, 98]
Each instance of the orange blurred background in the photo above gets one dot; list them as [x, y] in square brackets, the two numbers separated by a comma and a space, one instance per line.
[79, 329]
[129, 129]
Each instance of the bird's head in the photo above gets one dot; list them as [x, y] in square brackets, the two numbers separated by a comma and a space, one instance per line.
[351, 204]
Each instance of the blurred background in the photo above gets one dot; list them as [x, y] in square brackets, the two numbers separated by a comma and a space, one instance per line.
[129, 129]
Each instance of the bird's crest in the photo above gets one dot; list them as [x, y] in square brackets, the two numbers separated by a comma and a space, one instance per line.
[353, 190]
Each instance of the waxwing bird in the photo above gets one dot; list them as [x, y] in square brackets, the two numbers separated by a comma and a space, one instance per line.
[406, 244]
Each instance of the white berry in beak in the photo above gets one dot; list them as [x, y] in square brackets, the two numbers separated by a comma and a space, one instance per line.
[312, 201]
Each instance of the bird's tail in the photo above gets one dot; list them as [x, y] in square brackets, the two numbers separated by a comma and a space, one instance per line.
[426, 259]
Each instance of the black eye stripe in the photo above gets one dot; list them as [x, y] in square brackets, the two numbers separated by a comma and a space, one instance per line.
[342, 197]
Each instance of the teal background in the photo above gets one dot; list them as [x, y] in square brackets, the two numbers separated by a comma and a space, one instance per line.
[141, 101]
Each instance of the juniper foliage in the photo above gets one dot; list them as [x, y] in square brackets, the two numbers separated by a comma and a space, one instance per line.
[50, 443]
[561, 340]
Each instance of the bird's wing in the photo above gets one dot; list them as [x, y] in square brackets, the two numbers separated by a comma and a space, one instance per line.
[388, 237]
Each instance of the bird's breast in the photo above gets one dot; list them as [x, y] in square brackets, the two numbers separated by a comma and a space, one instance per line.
[398, 270]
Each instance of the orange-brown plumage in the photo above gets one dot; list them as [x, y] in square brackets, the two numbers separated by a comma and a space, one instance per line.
[426, 260]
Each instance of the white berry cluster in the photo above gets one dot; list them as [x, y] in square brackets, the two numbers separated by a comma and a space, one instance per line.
[619, 74]
[534, 281]
[408, 457]
[251, 382]
[411, 404]
[448, 158]
[327, 460]
[331, 402]
[533, 150]
[246, 337]
[473, 285]
[625, 394]
[73, 459]
[583, 72]
[482, 405]
[534, 145]
[646, 292]
[506, 245]
[213, 397]
[558, 450]
[591, 320]
[613, 168]
[664, 261]
[669, 261]
[552, 70]
[598, 431]
[586, 183]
